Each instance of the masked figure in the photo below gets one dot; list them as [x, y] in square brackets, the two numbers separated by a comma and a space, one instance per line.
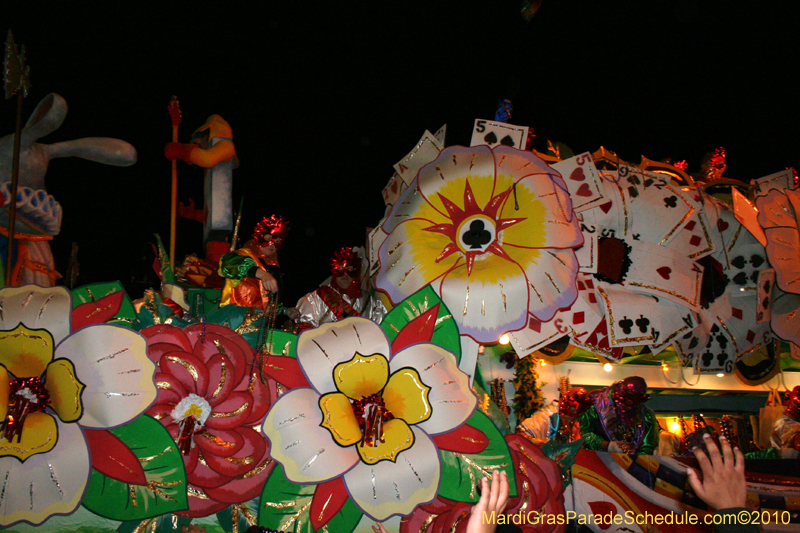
[618, 420]
[343, 297]
[252, 272]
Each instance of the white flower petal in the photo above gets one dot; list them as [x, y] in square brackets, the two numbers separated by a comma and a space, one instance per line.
[785, 319]
[482, 309]
[390, 488]
[451, 398]
[306, 450]
[48, 483]
[409, 255]
[551, 279]
[37, 308]
[319, 350]
[112, 362]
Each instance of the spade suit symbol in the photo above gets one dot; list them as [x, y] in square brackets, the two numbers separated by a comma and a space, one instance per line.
[490, 138]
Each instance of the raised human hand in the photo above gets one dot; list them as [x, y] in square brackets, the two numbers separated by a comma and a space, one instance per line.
[723, 485]
[494, 497]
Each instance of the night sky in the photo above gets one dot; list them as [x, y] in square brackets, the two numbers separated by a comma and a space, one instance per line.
[324, 98]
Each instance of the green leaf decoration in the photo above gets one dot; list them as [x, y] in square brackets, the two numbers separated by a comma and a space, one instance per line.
[94, 291]
[490, 409]
[462, 472]
[167, 274]
[243, 513]
[168, 523]
[564, 455]
[277, 342]
[161, 460]
[246, 321]
[445, 333]
[155, 311]
[285, 506]
[203, 301]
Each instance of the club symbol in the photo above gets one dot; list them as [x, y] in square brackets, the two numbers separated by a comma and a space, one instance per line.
[671, 201]
[707, 358]
[642, 322]
[721, 357]
[627, 325]
[477, 236]
[723, 342]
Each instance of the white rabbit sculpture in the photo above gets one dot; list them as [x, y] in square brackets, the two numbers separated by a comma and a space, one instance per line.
[38, 214]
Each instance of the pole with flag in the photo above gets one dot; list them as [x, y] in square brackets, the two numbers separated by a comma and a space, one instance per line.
[16, 80]
[175, 117]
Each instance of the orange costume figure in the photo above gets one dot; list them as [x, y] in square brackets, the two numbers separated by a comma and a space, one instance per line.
[252, 272]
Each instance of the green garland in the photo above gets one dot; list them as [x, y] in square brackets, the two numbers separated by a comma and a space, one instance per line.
[528, 397]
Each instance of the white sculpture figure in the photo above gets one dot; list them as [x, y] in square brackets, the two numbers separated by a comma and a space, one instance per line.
[38, 214]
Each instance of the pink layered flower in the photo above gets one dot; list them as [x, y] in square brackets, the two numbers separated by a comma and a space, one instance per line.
[209, 400]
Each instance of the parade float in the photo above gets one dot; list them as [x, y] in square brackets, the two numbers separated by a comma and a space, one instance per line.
[501, 268]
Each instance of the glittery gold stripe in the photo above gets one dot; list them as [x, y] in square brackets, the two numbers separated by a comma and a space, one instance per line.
[188, 366]
[240, 461]
[148, 459]
[239, 411]
[216, 440]
[223, 375]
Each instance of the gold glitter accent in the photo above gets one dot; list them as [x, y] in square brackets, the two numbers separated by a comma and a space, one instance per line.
[486, 471]
[505, 301]
[535, 291]
[188, 366]
[223, 375]
[455, 162]
[393, 250]
[483, 307]
[98, 310]
[246, 326]
[557, 258]
[525, 165]
[413, 308]
[440, 173]
[390, 267]
[394, 328]
[132, 490]
[197, 493]
[281, 505]
[428, 521]
[558, 222]
[693, 303]
[466, 301]
[175, 522]
[143, 525]
[502, 159]
[28, 450]
[325, 505]
[441, 319]
[553, 283]
[735, 238]
[148, 459]
[458, 520]
[472, 162]
[403, 279]
[239, 411]
[239, 462]
[23, 334]
[216, 440]
[257, 470]
[220, 347]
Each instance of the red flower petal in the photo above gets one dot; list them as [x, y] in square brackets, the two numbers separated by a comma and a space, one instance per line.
[113, 458]
[244, 487]
[168, 334]
[190, 459]
[537, 456]
[221, 443]
[328, 498]
[465, 439]
[247, 458]
[195, 332]
[157, 349]
[205, 477]
[189, 370]
[222, 378]
[97, 312]
[170, 388]
[199, 507]
[418, 330]
[261, 399]
[231, 412]
[161, 412]
[215, 344]
[532, 485]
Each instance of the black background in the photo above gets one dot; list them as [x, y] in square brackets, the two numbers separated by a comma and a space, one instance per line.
[324, 97]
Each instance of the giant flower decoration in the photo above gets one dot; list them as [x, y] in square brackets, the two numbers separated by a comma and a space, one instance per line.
[54, 383]
[370, 416]
[493, 230]
[209, 400]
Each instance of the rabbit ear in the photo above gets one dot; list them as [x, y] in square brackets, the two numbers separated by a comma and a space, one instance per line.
[45, 119]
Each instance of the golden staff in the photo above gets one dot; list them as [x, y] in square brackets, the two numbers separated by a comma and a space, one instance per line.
[175, 115]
